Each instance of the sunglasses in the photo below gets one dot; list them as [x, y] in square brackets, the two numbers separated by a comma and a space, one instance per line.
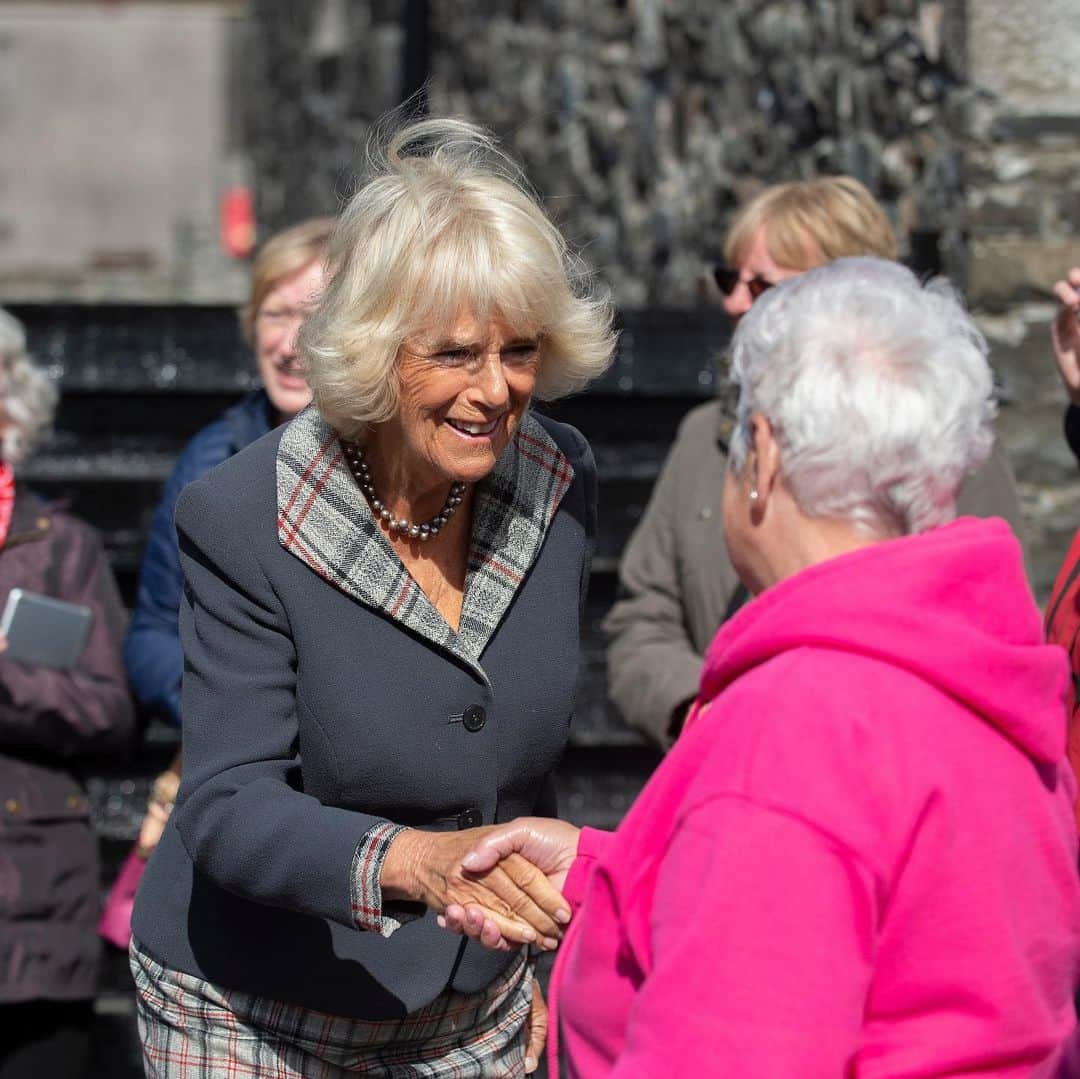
[727, 279]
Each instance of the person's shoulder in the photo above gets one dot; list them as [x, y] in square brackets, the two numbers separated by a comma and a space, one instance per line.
[56, 521]
[208, 447]
[240, 484]
[821, 704]
[222, 437]
[570, 441]
[810, 733]
[702, 424]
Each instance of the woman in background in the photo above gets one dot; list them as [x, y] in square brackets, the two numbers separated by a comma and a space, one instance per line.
[286, 280]
[51, 721]
[676, 582]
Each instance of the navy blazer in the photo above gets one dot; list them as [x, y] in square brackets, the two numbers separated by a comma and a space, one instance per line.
[324, 696]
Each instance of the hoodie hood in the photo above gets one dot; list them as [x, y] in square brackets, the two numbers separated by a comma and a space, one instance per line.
[951, 605]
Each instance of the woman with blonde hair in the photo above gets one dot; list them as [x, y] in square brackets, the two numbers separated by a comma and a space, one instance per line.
[286, 279]
[51, 720]
[676, 583]
[380, 631]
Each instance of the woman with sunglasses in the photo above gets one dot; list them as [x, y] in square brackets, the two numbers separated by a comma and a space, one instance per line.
[676, 583]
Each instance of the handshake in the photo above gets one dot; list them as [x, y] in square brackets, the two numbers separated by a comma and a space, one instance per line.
[500, 885]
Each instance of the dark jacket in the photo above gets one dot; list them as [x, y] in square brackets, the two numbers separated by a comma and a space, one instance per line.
[323, 696]
[677, 584]
[1072, 429]
[50, 721]
[152, 650]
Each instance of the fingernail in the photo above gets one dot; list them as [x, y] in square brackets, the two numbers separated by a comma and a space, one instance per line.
[562, 916]
[550, 943]
[441, 922]
[470, 859]
[529, 934]
[530, 1065]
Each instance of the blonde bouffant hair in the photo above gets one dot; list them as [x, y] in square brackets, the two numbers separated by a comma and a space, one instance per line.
[810, 223]
[27, 398]
[444, 223]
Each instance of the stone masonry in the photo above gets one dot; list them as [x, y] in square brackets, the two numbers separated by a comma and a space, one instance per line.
[1022, 143]
[646, 122]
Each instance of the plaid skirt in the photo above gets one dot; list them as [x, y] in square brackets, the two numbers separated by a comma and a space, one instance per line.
[191, 1029]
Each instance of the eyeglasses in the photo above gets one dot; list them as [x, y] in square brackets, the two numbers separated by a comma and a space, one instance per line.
[727, 279]
[279, 316]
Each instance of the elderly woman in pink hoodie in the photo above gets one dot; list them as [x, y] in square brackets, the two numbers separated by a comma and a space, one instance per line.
[860, 859]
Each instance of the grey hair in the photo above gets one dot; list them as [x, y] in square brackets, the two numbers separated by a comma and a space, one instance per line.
[445, 220]
[878, 390]
[27, 397]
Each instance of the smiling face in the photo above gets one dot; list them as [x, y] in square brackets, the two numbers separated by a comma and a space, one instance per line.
[277, 322]
[462, 396]
[755, 261]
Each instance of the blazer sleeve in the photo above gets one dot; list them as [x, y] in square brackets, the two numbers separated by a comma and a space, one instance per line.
[653, 667]
[241, 813]
[85, 710]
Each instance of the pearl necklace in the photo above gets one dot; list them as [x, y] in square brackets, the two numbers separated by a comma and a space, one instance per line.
[361, 472]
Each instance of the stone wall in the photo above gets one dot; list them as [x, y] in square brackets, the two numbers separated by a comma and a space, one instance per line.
[1022, 144]
[313, 78]
[645, 122]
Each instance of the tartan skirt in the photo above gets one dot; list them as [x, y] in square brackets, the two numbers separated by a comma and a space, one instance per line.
[191, 1029]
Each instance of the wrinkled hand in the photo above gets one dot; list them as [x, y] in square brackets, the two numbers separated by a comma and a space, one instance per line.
[427, 867]
[525, 849]
[536, 1029]
[1065, 333]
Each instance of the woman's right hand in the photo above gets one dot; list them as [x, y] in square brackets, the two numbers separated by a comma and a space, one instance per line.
[427, 867]
[523, 848]
[1065, 333]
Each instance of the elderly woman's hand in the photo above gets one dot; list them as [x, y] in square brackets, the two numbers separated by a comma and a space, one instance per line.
[524, 849]
[515, 898]
[536, 1028]
[1065, 333]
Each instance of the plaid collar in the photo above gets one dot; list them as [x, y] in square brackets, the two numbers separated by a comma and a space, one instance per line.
[325, 521]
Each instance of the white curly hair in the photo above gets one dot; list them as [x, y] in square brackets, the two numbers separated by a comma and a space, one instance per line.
[27, 397]
[878, 390]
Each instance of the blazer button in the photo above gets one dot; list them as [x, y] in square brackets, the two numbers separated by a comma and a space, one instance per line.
[471, 818]
[12, 806]
[474, 718]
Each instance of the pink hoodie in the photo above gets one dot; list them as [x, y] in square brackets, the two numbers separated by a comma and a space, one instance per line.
[860, 860]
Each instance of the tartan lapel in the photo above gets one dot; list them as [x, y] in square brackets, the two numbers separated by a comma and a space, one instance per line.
[325, 522]
[514, 506]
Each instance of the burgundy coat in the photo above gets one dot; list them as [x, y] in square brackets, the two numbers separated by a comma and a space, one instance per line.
[50, 722]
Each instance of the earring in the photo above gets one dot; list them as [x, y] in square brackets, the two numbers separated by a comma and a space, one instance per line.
[753, 494]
